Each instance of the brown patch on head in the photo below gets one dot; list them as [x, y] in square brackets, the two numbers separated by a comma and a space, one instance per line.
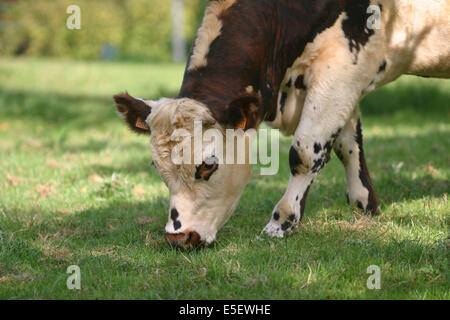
[134, 112]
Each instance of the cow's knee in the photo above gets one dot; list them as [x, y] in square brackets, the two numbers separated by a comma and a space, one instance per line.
[289, 212]
[309, 157]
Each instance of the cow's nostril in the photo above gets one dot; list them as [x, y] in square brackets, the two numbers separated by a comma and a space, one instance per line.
[188, 239]
[193, 239]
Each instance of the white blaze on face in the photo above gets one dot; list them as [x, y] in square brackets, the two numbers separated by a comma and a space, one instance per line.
[202, 204]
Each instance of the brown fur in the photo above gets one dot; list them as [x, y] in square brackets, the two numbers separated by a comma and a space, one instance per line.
[134, 112]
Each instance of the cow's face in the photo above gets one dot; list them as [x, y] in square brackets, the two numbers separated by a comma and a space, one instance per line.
[203, 190]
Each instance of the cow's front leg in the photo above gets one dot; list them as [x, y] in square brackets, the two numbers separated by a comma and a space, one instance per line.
[334, 87]
[289, 211]
[349, 149]
[320, 125]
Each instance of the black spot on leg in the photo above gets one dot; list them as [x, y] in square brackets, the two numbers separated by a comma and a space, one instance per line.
[276, 216]
[318, 165]
[285, 226]
[296, 199]
[317, 147]
[294, 161]
[348, 198]
[283, 101]
[324, 153]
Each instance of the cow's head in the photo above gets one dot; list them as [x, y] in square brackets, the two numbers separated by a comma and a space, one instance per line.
[205, 191]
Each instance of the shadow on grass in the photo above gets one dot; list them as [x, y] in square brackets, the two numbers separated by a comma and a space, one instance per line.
[61, 109]
[424, 97]
[135, 251]
[134, 167]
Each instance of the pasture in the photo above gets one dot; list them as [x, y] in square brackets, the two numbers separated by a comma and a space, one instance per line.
[77, 188]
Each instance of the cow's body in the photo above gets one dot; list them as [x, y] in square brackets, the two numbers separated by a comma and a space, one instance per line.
[305, 65]
[268, 44]
[418, 48]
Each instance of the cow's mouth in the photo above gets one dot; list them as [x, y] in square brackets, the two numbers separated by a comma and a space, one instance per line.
[184, 240]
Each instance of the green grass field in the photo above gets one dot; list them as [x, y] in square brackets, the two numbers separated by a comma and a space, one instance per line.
[77, 188]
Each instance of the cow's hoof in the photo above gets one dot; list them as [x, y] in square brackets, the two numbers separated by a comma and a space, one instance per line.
[374, 213]
[273, 230]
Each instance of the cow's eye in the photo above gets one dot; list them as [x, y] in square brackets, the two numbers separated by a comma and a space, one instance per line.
[207, 168]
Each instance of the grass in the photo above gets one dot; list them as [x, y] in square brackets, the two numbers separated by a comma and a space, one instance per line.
[77, 188]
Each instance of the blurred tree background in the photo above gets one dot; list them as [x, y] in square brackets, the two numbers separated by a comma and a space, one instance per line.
[110, 29]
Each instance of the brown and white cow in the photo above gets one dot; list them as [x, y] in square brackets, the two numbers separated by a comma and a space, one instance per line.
[300, 65]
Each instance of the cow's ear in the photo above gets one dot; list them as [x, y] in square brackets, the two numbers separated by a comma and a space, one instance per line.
[245, 111]
[134, 112]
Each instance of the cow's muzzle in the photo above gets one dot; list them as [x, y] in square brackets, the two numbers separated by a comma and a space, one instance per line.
[185, 240]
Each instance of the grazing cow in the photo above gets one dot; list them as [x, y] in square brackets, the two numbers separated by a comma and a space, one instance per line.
[302, 66]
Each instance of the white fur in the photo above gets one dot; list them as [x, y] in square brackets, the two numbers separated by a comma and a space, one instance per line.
[210, 29]
[203, 206]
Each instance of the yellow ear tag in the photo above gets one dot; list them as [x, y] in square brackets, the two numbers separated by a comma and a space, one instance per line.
[242, 125]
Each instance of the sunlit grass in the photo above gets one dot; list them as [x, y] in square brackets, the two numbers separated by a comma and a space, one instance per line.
[76, 187]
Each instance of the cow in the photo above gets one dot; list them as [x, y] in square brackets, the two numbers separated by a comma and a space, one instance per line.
[301, 66]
